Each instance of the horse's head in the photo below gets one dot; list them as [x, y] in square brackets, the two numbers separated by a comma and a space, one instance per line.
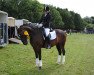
[23, 33]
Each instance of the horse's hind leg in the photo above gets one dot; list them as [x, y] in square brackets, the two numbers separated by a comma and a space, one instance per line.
[59, 53]
[63, 56]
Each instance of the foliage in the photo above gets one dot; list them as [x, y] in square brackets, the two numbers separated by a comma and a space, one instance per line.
[90, 26]
[89, 22]
[36, 10]
[92, 17]
[56, 18]
[87, 19]
[78, 22]
[32, 10]
[66, 18]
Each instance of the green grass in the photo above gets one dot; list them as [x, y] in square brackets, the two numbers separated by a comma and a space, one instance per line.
[18, 59]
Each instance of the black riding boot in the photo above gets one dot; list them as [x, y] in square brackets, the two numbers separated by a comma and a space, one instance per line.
[48, 42]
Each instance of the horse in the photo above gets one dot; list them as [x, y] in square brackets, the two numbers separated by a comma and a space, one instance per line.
[37, 41]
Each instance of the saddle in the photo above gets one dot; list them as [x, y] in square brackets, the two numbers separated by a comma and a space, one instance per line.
[51, 34]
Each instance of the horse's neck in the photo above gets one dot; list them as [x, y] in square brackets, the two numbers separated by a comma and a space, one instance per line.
[37, 33]
[33, 32]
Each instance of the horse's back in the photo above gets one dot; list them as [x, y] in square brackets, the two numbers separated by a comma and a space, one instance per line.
[61, 35]
[60, 32]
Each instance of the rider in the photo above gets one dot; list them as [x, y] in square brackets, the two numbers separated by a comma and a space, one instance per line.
[45, 20]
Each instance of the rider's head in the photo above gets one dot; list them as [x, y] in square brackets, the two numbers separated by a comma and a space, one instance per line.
[47, 8]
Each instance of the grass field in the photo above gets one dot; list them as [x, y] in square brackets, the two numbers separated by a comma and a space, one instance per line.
[20, 60]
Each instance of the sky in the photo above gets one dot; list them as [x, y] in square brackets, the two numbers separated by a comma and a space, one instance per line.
[82, 7]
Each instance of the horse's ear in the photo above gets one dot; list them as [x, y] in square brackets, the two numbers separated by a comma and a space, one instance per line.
[27, 28]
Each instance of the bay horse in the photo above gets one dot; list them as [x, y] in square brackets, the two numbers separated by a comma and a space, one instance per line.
[37, 42]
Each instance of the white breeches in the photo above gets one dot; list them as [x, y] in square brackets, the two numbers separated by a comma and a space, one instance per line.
[47, 31]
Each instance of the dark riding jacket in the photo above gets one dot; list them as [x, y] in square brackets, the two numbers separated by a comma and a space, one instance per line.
[45, 20]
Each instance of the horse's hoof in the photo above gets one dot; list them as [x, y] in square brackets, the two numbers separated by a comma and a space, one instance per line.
[39, 68]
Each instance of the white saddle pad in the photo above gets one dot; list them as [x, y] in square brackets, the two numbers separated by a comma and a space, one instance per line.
[53, 35]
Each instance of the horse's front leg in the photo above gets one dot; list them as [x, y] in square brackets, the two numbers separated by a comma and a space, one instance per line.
[37, 59]
[40, 60]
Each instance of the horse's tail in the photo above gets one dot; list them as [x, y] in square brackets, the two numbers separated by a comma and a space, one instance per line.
[65, 32]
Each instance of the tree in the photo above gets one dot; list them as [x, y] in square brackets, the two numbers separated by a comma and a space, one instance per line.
[87, 19]
[32, 10]
[66, 18]
[56, 18]
[92, 17]
[19, 9]
[78, 22]
[37, 10]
